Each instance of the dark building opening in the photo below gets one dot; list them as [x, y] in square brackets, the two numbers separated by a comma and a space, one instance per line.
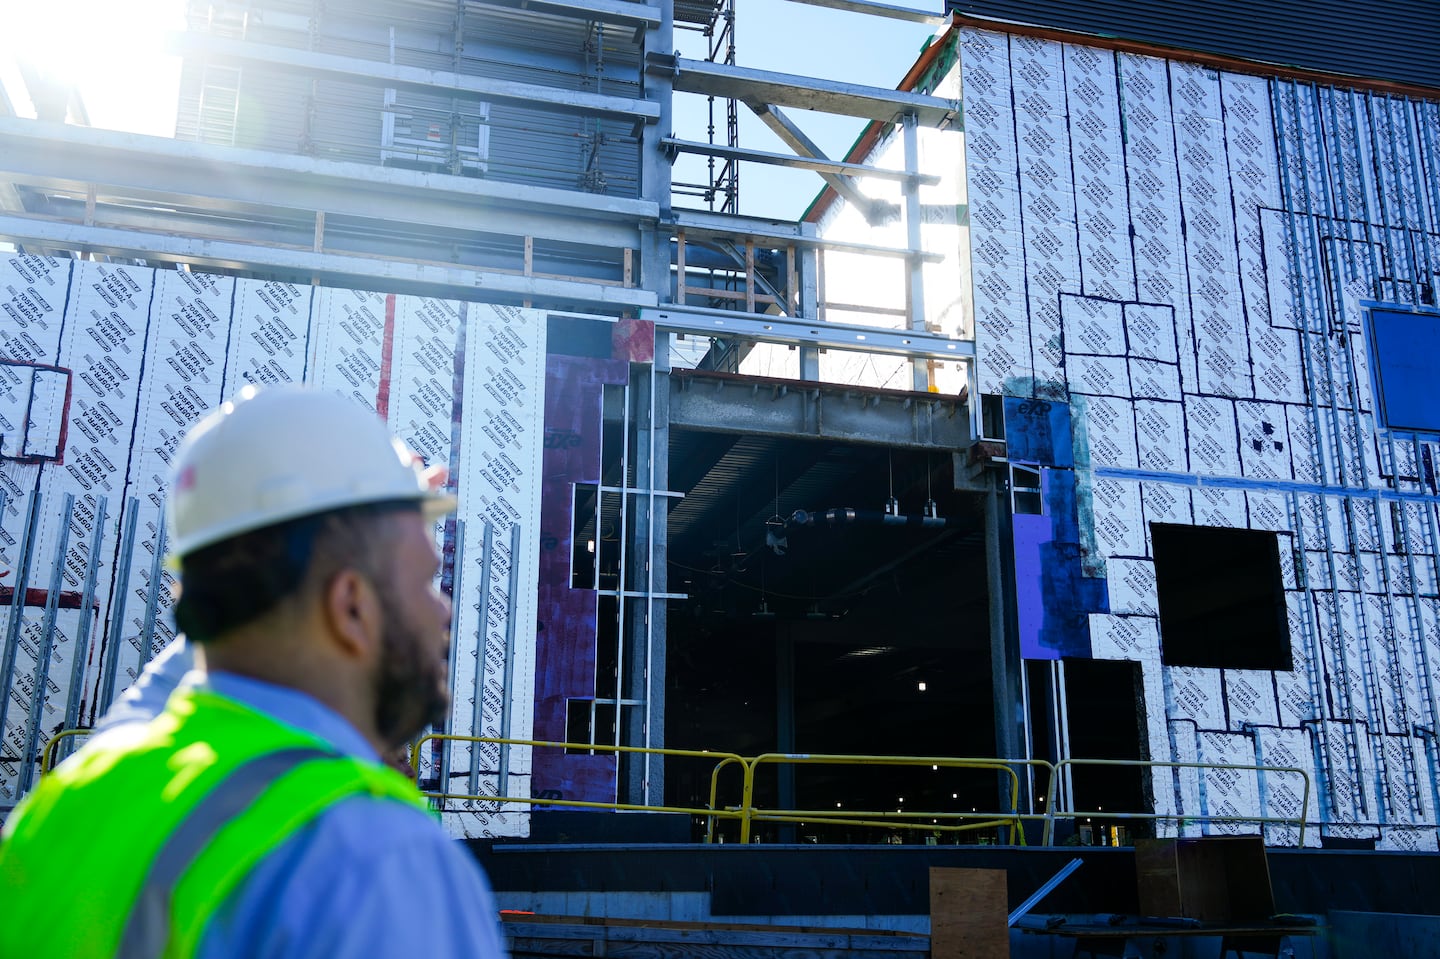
[837, 604]
[1105, 705]
[1222, 597]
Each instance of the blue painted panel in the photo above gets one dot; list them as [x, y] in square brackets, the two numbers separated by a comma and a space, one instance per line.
[1053, 595]
[1038, 431]
[1405, 355]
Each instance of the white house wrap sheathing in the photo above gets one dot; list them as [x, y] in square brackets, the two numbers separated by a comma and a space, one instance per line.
[1183, 254]
[144, 353]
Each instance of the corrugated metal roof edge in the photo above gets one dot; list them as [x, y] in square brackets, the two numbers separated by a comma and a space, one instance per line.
[870, 136]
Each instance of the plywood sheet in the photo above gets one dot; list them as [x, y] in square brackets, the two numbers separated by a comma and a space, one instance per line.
[968, 914]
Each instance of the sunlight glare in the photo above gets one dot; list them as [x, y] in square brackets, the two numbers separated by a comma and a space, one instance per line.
[113, 52]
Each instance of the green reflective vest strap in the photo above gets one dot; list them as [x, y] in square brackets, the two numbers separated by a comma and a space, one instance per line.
[145, 832]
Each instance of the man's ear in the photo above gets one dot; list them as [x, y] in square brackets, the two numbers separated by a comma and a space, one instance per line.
[352, 611]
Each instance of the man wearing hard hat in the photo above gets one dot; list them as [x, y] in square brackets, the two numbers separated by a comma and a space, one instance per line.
[253, 816]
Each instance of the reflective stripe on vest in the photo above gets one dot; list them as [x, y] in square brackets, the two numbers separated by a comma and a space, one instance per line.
[148, 931]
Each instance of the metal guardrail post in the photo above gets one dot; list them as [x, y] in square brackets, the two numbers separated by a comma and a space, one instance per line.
[45, 647]
[714, 792]
[747, 800]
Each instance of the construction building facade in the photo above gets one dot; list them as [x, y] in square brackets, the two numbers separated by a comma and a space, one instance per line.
[1080, 427]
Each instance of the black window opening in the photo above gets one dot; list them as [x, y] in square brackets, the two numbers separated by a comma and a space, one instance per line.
[1222, 598]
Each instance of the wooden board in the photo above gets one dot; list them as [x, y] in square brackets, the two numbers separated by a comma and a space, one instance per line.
[969, 917]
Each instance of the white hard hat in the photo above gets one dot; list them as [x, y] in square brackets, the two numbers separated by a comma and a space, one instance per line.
[273, 455]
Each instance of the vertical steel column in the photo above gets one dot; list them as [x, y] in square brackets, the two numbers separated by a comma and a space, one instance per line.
[638, 692]
[45, 647]
[1066, 791]
[622, 578]
[809, 301]
[915, 265]
[17, 605]
[655, 185]
[512, 609]
[477, 708]
[115, 634]
[657, 580]
[457, 585]
[83, 628]
[1006, 665]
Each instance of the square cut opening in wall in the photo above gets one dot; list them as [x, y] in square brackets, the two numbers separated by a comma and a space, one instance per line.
[1222, 598]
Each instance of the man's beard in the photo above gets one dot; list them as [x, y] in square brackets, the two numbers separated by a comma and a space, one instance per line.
[410, 689]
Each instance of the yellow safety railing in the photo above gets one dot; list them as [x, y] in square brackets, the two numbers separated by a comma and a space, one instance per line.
[53, 744]
[747, 813]
[711, 811]
[893, 820]
[1052, 813]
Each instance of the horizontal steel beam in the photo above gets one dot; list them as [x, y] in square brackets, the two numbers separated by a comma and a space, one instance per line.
[223, 50]
[929, 17]
[233, 180]
[700, 223]
[729, 404]
[330, 268]
[798, 162]
[788, 330]
[625, 13]
[785, 89]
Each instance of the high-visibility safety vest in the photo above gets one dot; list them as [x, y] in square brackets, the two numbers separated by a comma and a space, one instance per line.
[129, 848]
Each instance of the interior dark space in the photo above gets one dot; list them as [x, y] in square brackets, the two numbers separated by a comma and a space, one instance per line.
[837, 605]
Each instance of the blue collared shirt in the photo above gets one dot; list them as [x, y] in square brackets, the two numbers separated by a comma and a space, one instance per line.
[367, 878]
